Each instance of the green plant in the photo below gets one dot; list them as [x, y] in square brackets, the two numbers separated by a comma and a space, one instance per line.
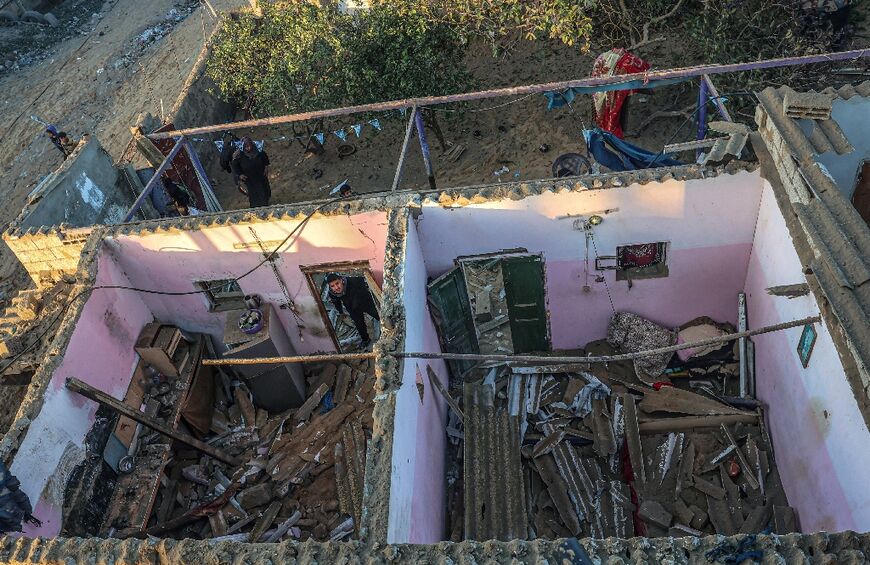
[504, 21]
[299, 57]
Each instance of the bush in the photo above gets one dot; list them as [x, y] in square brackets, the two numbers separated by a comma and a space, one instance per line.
[298, 57]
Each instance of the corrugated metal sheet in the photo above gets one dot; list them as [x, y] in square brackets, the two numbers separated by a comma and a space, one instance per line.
[495, 496]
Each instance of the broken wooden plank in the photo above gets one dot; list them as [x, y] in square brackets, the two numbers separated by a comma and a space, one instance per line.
[558, 489]
[632, 437]
[783, 520]
[265, 522]
[757, 520]
[748, 471]
[342, 382]
[249, 413]
[720, 516]
[101, 397]
[687, 468]
[547, 444]
[436, 383]
[660, 425]
[708, 488]
[678, 401]
[311, 403]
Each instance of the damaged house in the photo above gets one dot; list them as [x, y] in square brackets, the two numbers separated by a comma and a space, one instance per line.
[551, 359]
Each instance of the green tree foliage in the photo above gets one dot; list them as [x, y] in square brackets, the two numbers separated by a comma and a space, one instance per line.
[498, 20]
[298, 57]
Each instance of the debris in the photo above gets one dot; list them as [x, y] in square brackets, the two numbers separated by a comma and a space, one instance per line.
[789, 290]
[711, 490]
[632, 436]
[811, 105]
[783, 519]
[651, 511]
[304, 411]
[436, 382]
[678, 401]
[255, 496]
[265, 522]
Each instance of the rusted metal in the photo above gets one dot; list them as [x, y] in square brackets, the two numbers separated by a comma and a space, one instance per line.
[683, 72]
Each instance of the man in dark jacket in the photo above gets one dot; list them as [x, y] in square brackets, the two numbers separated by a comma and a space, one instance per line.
[353, 295]
[14, 505]
[251, 173]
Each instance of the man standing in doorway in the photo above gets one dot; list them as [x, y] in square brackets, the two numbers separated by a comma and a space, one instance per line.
[353, 295]
[251, 172]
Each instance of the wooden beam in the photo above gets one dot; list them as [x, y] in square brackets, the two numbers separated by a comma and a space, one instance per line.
[433, 379]
[101, 397]
[661, 425]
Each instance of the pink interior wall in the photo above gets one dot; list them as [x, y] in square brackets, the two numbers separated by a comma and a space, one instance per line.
[174, 261]
[709, 224]
[820, 439]
[417, 488]
[100, 353]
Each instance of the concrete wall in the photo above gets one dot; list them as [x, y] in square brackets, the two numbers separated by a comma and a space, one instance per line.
[821, 441]
[100, 353]
[174, 261]
[853, 116]
[83, 191]
[709, 224]
[417, 482]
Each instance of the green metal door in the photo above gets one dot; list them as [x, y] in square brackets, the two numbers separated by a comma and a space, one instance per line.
[527, 310]
[451, 312]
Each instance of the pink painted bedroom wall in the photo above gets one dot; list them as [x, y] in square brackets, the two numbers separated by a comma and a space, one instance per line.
[708, 224]
[100, 352]
[821, 442]
[174, 261]
[417, 489]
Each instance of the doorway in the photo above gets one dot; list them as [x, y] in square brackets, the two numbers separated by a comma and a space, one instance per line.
[359, 290]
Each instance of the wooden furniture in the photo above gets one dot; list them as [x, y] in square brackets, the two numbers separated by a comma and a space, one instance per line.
[275, 387]
[157, 345]
[135, 492]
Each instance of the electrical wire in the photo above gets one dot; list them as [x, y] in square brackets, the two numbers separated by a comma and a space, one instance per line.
[268, 257]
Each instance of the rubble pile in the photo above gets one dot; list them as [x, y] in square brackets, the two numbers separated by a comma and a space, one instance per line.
[595, 450]
[301, 471]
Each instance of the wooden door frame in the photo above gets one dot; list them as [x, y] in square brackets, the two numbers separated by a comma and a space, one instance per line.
[310, 270]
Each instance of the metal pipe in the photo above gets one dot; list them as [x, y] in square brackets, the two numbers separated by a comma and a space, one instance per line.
[525, 359]
[296, 359]
[702, 112]
[208, 195]
[717, 100]
[404, 152]
[424, 147]
[682, 72]
[152, 182]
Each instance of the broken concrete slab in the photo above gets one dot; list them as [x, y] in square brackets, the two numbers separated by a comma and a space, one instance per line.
[710, 489]
[784, 520]
[255, 496]
[652, 511]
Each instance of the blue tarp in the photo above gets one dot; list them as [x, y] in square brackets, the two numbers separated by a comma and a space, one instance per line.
[559, 99]
[619, 155]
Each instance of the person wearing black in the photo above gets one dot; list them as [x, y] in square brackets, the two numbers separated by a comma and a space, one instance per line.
[227, 150]
[251, 172]
[352, 294]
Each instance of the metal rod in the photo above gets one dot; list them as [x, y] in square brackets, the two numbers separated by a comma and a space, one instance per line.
[100, 397]
[424, 147]
[152, 182]
[211, 202]
[296, 359]
[741, 344]
[682, 72]
[717, 100]
[702, 112]
[525, 359]
[546, 360]
[404, 152]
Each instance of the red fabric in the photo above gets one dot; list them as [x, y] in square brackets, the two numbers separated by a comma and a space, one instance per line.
[607, 114]
[182, 170]
[628, 476]
[660, 384]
